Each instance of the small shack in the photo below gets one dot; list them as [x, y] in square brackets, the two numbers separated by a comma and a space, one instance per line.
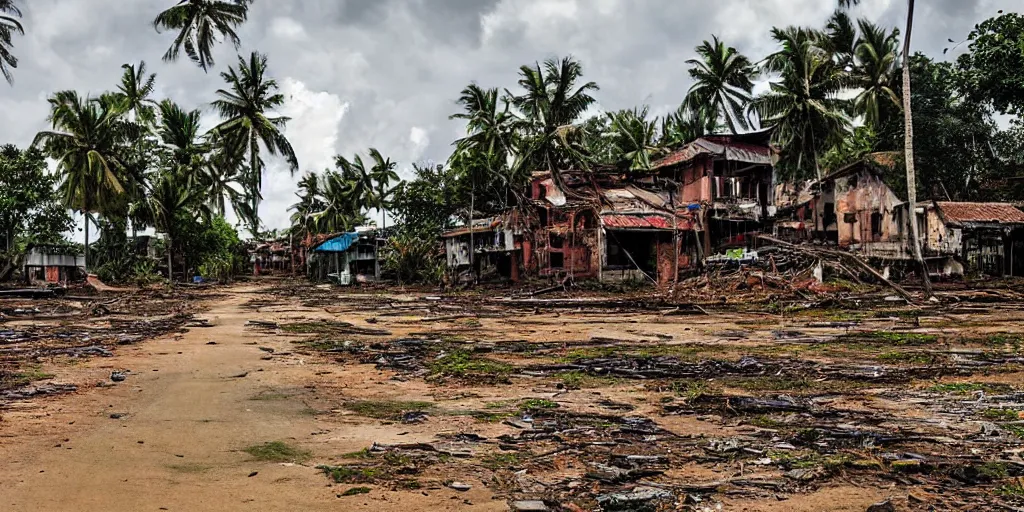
[495, 254]
[980, 237]
[347, 258]
[54, 264]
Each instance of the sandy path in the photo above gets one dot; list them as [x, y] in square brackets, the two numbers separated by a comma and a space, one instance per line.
[187, 418]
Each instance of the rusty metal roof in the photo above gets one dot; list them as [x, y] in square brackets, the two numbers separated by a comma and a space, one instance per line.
[980, 213]
[621, 221]
[720, 147]
[479, 226]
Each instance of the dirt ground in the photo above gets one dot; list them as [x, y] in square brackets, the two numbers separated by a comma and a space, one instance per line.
[281, 395]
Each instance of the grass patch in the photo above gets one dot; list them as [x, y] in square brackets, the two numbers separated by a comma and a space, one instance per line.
[534, 404]
[386, 409]
[964, 388]
[901, 338]
[582, 380]
[692, 390]
[496, 461]
[1001, 414]
[462, 365]
[355, 491]
[276, 451]
[351, 475]
[29, 376]
[1014, 490]
[491, 417]
[361, 454]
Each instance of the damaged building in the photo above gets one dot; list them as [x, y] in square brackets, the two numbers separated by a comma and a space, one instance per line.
[486, 250]
[853, 208]
[707, 197]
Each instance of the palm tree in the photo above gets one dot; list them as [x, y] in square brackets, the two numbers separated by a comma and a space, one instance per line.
[135, 91]
[198, 23]
[383, 174]
[633, 138]
[804, 106]
[223, 173]
[245, 107]
[722, 81]
[688, 124]
[310, 202]
[908, 146]
[9, 24]
[86, 140]
[172, 195]
[840, 38]
[875, 72]
[551, 102]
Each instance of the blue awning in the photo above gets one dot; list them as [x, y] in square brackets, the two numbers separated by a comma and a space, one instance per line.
[339, 243]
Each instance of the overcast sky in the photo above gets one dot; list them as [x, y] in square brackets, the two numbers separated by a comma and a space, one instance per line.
[386, 73]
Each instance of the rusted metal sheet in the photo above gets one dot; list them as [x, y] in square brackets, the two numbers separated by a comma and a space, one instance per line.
[619, 221]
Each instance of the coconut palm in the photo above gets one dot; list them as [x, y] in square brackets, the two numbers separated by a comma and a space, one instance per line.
[199, 24]
[171, 196]
[803, 104]
[9, 25]
[86, 140]
[722, 82]
[688, 124]
[550, 103]
[245, 107]
[383, 174]
[875, 72]
[135, 90]
[223, 175]
[633, 138]
[840, 38]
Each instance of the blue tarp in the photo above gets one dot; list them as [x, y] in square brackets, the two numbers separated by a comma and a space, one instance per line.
[339, 243]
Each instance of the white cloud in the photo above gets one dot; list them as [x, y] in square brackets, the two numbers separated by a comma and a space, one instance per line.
[287, 28]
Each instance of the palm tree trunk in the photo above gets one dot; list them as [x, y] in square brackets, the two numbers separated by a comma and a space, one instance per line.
[86, 216]
[908, 146]
[472, 207]
[170, 253]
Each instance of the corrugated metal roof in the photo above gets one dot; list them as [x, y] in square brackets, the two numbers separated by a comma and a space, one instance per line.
[730, 150]
[981, 213]
[479, 226]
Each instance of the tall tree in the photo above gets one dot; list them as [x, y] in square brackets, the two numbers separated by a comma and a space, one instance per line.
[87, 139]
[840, 38]
[246, 108]
[993, 66]
[722, 82]
[804, 105]
[135, 90]
[383, 174]
[551, 101]
[875, 72]
[688, 124]
[10, 24]
[199, 22]
[634, 138]
[908, 121]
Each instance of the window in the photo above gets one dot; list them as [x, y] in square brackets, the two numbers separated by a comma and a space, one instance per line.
[830, 213]
[557, 260]
[876, 225]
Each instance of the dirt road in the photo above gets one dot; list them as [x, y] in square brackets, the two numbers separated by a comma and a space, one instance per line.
[171, 437]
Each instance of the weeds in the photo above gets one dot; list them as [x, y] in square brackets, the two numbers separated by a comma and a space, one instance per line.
[533, 404]
[462, 365]
[277, 451]
[351, 475]
[385, 409]
[1001, 414]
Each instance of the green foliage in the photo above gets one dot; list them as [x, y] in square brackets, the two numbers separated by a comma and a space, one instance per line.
[386, 409]
[993, 67]
[30, 209]
[213, 246]
[196, 24]
[351, 475]
[722, 83]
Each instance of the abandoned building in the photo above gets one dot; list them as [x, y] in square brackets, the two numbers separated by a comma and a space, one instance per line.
[851, 207]
[706, 197]
[346, 258]
[986, 238]
[496, 253]
[53, 264]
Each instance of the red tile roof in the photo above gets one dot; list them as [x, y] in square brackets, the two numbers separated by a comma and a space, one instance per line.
[990, 213]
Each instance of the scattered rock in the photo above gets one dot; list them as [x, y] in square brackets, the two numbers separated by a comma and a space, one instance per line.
[118, 376]
[885, 506]
[267, 349]
[118, 415]
[211, 342]
[529, 506]
[639, 499]
[459, 486]
[414, 417]
[240, 375]
[254, 473]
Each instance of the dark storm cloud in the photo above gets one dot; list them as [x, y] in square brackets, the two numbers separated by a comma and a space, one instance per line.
[386, 72]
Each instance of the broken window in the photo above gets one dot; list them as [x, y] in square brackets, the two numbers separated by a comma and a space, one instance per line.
[876, 225]
[850, 218]
[557, 242]
[557, 260]
[830, 213]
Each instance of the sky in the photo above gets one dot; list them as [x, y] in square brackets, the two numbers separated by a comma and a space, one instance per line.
[386, 73]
